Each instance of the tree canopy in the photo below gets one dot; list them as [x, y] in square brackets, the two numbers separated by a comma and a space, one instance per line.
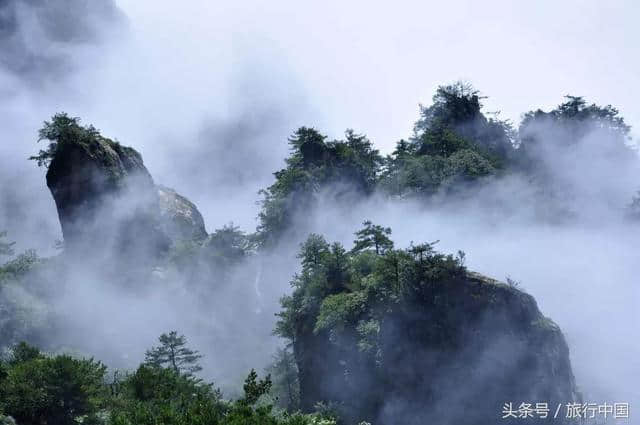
[174, 354]
[40, 389]
[347, 167]
[60, 130]
[346, 280]
[456, 147]
[373, 236]
[574, 118]
[37, 389]
[453, 144]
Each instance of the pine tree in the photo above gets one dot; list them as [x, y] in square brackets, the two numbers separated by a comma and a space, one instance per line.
[173, 354]
[373, 236]
[255, 388]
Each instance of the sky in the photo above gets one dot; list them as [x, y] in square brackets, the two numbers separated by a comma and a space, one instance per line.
[367, 65]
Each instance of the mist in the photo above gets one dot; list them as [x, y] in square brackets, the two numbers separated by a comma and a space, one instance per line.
[209, 95]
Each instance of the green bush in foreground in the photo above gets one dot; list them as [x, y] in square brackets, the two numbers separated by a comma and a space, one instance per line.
[38, 389]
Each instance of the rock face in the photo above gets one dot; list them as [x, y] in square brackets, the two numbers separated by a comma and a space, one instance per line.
[454, 357]
[181, 219]
[107, 201]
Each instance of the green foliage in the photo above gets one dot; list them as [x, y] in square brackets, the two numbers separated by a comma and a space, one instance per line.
[20, 266]
[36, 389]
[454, 104]
[60, 130]
[216, 255]
[348, 166]
[339, 310]
[172, 353]
[571, 131]
[22, 353]
[373, 236]
[156, 383]
[572, 120]
[286, 386]
[457, 110]
[254, 388]
[454, 143]
[154, 395]
[371, 286]
[228, 245]
[313, 252]
[368, 331]
[50, 390]
[408, 322]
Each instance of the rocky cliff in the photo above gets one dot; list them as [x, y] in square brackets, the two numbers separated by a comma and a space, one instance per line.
[180, 218]
[410, 337]
[107, 200]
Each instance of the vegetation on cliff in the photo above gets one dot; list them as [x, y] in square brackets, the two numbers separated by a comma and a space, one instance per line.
[456, 146]
[413, 327]
[347, 168]
[65, 132]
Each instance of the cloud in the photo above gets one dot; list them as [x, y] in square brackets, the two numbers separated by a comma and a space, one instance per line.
[38, 37]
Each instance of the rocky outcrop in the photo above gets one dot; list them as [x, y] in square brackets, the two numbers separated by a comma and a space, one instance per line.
[455, 356]
[108, 202]
[180, 218]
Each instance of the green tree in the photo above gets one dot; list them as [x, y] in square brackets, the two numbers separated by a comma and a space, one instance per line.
[154, 395]
[372, 236]
[457, 111]
[313, 252]
[51, 390]
[172, 353]
[453, 145]
[349, 167]
[337, 268]
[286, 387]
[228, 245]
[570, 122]
[40, 390]
[255, 388]
[60, 130]
[575, 118]
[453, 104]
[22, 353]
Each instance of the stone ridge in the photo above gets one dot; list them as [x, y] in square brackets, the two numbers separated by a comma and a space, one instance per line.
[104, 193]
